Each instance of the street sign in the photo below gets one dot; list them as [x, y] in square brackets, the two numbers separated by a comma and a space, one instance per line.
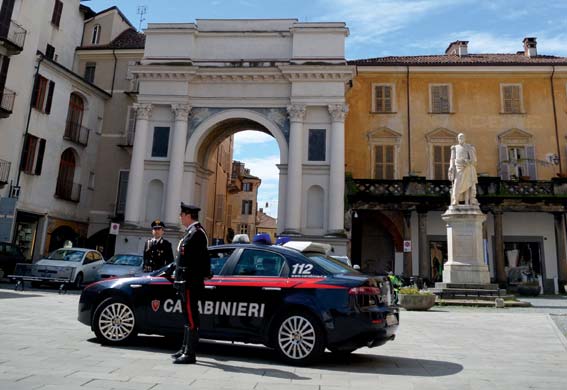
[114, 228]
[407, 245]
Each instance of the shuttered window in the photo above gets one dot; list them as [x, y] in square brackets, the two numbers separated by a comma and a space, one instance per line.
[219, 213]
[57, 11]
[383, 97]
[511, 99]
[246, 207]
[384, 161]
[32, 155]
[121, 194]
[42, 95]
[441, 160]
[440, 99]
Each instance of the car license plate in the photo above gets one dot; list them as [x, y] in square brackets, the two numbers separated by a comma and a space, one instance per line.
[391, 320]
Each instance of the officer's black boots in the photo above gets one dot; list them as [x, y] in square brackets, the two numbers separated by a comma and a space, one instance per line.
[186, 339]
[187, 356]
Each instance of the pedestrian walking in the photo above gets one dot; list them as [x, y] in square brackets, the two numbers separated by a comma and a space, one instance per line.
[157, 251]
[192, 267]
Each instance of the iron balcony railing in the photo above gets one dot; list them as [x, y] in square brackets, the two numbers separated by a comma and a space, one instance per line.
[4, 171]
[76, 133]
[7, 98]
[14, 34]
[68, 190]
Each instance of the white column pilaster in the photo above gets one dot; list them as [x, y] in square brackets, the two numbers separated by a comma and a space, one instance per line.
[176, 163]
[136, 192]
[336, 208]
[294, 169]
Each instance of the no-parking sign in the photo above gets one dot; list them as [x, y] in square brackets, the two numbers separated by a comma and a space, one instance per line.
[114, 228]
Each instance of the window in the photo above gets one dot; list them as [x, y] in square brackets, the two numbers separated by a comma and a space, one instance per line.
[516, 153]
[384, 161]
[511, 98]
[57, 11]
[32, 155]
[441, 160]
[96, 35]
[91, 180]
[383, 98]
[247, 187]
[42, 95]
[440, 98]
[73, 128]
[121, 194]
[66, 187]
[246, 207]
[243, 228]
[161, 142]
[218, 259]
[49, 52]
[317, 145]
[90, 69]
[255, 262]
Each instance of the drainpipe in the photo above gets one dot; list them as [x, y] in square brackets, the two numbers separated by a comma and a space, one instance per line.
[29, 116]
[555, 121]
[409, 119]
[113, 72]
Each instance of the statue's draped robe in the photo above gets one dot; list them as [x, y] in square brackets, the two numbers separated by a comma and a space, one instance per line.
[465, 175]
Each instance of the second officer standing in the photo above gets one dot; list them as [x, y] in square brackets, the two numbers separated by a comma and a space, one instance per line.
[157, 251]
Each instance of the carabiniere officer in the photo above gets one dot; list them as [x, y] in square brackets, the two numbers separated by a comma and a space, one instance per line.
[157, 251]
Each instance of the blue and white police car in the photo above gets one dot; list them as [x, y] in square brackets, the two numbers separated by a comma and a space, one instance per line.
[298, 302]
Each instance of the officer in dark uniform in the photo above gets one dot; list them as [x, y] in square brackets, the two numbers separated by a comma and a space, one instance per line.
[157, 251]
[192, 267]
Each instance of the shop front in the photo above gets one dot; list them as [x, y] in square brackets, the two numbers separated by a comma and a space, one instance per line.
[62, 232]
[26, 232]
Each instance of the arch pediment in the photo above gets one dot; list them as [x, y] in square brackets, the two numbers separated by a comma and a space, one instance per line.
[441, 134]
[383, 133]
[515, 136]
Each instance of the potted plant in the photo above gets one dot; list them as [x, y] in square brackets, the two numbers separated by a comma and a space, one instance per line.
[529, 288]
[411, 298]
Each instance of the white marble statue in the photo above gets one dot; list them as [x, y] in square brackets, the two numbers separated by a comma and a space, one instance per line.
[462, 172]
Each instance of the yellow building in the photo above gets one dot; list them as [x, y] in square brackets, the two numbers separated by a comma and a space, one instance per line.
[266, 224]
[243, 200]
[405, 113]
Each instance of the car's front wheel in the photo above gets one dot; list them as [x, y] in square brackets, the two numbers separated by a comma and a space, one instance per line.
[79, 280]
[114, 321]
[299, 338]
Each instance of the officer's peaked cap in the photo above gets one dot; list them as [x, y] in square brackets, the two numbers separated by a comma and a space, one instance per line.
[189, 209]
[157, 223]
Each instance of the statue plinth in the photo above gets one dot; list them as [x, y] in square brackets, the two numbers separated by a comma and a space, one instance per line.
[465, 248]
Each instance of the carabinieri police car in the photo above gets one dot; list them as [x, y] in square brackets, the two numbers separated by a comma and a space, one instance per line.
[296, 301]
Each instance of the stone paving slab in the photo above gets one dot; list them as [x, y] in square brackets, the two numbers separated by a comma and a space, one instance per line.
[45, 347]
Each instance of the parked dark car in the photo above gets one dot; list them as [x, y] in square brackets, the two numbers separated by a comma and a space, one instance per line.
[10, 254]
[298, 303]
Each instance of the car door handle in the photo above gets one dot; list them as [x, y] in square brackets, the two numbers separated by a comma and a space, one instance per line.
[210, 287]
[135, 285]
[271, 288]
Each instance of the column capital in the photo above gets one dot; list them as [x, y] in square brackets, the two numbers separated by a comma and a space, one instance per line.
[181, 111]
[296, 112]
[143, 110]
[338, 112]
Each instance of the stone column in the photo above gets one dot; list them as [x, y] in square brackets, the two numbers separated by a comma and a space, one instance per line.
[294, 170]
[499, 263]
[176, 163]
[408, 262]
[135, 193]
[336, 207]
[424, 264]
[561, 248]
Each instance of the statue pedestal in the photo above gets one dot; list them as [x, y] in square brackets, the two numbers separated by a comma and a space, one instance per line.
[465, 263]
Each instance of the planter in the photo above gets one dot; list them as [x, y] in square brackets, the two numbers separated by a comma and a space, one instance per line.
[417, 301]
[528, 290]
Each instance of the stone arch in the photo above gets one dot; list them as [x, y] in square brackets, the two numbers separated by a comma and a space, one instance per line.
[154, 200]
[315, 218]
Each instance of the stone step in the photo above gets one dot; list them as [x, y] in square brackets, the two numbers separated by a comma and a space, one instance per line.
[466, 291]
[489, 298]
[491, 286]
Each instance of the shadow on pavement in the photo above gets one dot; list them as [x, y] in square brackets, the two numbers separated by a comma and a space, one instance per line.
[228, 356]
[6, 294]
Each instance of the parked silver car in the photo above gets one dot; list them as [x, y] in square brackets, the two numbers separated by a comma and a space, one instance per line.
[86, 263]
[122, 265]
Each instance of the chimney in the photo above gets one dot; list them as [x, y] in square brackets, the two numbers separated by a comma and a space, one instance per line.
[457, 48]
[530, 47]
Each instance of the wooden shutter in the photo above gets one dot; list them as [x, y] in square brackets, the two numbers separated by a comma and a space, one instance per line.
[384, 160]
[40, 153]
[531, 161]
[49, 97]
[35, 91]
[4, 73]
[503, 166]
[6, 16]
[389, 162]
[511, 98]
[440, 99]
[383, 98]
[57, 11]
[25, 153]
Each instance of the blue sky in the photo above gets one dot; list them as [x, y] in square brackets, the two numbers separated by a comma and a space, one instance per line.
[377, 28]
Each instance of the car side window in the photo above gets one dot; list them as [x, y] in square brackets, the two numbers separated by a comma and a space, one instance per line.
[89, 258]
[96, 256]
[255, 262]
[219, 258]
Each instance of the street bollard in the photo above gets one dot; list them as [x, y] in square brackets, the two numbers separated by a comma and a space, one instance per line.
[499, 303]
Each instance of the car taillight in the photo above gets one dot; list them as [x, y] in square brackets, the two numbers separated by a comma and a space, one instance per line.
[364, 291]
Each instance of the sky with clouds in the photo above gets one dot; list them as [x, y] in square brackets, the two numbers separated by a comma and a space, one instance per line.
[377, 28]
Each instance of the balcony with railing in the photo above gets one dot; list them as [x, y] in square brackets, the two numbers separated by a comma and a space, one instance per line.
[12, 37]
[7, 98]
[68, 190]
[4, 172]
[76, 133]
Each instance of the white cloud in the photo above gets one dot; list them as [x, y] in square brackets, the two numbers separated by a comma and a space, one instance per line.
[263, 167]
[252, 137]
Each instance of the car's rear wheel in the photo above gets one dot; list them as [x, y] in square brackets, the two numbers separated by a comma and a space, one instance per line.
[299, 338]
[114, 321]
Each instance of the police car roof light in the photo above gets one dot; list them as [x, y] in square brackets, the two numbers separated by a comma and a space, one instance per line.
[308, 246]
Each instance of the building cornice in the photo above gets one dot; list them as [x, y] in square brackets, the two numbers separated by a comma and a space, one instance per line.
[318, 72]
[461, 69]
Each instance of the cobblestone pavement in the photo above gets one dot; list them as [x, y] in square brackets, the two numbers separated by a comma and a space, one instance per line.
[44, 347]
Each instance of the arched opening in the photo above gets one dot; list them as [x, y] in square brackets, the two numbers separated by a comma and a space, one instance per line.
[154, 200]
[74, 122]
[66, 187]
[103, 242]
[62, 234]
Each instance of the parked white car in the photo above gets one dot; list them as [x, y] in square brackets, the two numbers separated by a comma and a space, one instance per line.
[85, 261]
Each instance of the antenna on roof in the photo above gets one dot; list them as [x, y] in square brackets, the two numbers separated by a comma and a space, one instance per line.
[142, 10]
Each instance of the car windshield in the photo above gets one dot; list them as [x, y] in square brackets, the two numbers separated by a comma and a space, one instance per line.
[67, 255]
[330, 265]
[131, 260]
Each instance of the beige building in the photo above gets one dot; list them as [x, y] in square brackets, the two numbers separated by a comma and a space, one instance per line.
[243, 200]
[266, 224]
